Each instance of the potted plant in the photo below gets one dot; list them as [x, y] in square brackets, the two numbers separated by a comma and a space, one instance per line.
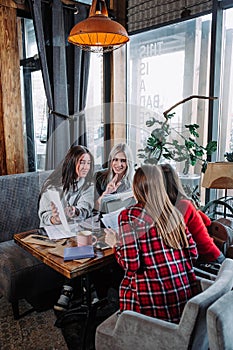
[184, 147]
[161, 145]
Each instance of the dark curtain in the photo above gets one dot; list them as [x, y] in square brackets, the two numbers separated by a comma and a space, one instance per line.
[65, 70]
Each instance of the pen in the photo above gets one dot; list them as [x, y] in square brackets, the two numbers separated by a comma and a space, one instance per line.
[41, 238]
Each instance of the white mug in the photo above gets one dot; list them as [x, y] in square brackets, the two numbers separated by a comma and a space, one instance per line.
[85, 238]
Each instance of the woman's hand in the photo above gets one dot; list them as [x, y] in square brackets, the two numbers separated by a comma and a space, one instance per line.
[55, 218]
[112, 185]
[110, 237]
[70, 211]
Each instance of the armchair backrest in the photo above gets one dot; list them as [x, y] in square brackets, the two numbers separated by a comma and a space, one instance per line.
[219, 323]
[131, 330]
[198, 305]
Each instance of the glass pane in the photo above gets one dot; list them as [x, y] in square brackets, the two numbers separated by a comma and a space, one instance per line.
[226, 98]
[33, 99]
[94, 110]
[30, 39]
[40, 118]
[165, 66]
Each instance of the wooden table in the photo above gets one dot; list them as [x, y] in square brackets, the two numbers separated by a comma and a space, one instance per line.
[72, 269]
[69, 269]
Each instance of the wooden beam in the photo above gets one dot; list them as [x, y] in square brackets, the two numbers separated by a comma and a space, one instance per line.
[11, 125]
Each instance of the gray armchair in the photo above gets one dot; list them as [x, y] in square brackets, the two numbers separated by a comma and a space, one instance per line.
[130, 330]
[219, 323]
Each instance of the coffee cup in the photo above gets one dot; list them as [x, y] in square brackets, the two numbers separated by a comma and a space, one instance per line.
[85, 238]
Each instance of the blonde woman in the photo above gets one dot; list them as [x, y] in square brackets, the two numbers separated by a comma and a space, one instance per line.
[118, 176]
[155, 251]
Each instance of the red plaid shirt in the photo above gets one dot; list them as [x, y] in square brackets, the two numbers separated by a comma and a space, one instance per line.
[158, 280]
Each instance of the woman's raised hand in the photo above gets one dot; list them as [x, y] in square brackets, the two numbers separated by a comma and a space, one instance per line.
[112, 185]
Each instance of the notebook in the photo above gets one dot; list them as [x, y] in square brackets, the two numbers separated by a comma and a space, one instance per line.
[75, 253]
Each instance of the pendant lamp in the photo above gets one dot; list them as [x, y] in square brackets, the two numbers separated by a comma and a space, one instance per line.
[98, 33]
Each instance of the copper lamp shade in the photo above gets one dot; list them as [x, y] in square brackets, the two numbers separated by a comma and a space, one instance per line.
[98, 33]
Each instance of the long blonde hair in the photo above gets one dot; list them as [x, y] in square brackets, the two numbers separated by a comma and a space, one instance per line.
[149, 190]
[124, 148]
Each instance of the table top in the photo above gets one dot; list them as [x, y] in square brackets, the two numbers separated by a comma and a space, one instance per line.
[69, 269]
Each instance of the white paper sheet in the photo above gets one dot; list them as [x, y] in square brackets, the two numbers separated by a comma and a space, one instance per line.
[57, 232]
[54, 197]
[110, 220]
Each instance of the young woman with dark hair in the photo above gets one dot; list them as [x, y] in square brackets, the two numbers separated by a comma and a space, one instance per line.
[73, 180]
[195, 220]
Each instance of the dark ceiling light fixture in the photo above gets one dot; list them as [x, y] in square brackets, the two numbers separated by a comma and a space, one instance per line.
[186, 11]
[98, 33]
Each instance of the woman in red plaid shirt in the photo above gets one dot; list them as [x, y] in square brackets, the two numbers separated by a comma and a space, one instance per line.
[155, 251]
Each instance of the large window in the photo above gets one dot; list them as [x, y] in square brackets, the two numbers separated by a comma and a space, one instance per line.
[165, 66]
[94, 110]
[225, 129]
[226, 98]
[33, 99]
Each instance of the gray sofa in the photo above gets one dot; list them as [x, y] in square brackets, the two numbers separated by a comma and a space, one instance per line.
[22, 276]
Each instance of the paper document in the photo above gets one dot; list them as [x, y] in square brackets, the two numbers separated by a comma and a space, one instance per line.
[58, 232]
[110, 220]
[54, 197]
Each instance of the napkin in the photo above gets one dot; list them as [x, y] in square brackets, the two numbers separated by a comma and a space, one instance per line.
[40, 240]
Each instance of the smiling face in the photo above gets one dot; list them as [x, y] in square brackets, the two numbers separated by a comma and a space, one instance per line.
[119, 164]
[83, 166]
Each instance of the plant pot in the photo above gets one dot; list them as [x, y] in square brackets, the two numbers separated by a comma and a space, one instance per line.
[191, 184]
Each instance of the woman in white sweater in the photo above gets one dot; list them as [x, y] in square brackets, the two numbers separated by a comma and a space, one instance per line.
[73, 180]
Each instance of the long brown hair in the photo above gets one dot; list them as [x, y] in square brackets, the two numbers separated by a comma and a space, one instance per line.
[149, 190]
[173, 184]
[65, 174]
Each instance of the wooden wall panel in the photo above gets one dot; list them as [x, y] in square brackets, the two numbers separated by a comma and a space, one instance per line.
[11, 126]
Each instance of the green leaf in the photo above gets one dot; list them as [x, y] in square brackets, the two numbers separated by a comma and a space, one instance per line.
[192, 129]
[204, 166]
[170, 115]
[211, 147]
